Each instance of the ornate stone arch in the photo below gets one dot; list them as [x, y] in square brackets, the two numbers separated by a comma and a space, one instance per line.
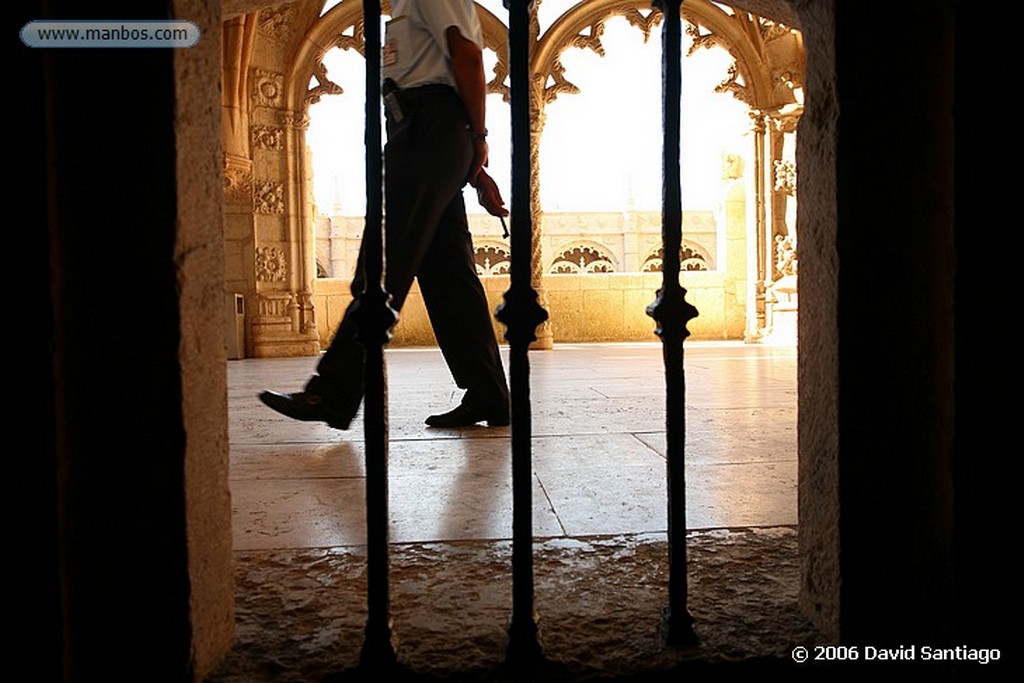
[582, 256]
[767, 73]
[342, 26]
[492, 258]
[284, 319]
[765, 76]
[692, 257]
[756, 78]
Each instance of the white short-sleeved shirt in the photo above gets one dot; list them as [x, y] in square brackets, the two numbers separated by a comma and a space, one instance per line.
[415, 47]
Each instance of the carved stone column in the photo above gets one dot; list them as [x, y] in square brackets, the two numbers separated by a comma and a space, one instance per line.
[781, 291]
[283, 323]
[758, 267]
[545, 336]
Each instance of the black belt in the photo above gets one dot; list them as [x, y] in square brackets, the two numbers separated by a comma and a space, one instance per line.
[410, 94]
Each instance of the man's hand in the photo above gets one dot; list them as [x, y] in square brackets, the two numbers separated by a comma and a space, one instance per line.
[488, 195]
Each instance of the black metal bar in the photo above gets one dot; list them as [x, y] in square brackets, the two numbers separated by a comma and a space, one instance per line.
[521, 313]
[672, 312]
[375, 319]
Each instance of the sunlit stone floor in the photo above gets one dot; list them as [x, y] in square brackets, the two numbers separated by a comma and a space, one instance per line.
[599, 510]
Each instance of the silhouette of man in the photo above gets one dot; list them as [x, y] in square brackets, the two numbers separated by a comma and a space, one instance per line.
[434, 94]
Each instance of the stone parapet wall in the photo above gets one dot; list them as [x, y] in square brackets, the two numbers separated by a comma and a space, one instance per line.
[595, 307]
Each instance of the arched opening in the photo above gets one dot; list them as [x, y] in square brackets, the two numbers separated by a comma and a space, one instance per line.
[598, 175]
[637, 435]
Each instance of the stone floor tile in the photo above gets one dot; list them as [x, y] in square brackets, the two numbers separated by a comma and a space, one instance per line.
[298, 513]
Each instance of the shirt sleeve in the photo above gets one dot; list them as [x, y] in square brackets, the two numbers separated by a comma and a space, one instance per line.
[436, 16]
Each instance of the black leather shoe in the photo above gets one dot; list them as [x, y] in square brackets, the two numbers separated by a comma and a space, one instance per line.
[467, 416]
[306, 407]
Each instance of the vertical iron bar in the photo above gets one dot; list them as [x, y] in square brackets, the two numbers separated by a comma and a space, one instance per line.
[672, 312]
[521, 314]
[375, 318]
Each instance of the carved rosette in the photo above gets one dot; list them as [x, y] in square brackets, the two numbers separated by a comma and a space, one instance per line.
[268, 197]
[271, 264]
[268, 137]
[267, 88]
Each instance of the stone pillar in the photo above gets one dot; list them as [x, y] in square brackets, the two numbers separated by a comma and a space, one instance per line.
[239, 238]
[283, 323]
[781, 288]
[545, 335]
[759, 219]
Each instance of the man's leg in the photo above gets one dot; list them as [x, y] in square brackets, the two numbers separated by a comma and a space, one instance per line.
[426, 164]
[461, 319]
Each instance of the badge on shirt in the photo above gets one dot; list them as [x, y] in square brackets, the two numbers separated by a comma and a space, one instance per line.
[389, 53]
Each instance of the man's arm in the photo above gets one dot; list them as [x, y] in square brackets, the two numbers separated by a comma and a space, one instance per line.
[468, 71]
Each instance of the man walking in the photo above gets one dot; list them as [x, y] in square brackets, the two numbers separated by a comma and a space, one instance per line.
[434, 92]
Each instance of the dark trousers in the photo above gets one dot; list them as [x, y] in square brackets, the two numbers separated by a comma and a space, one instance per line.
[427, 158]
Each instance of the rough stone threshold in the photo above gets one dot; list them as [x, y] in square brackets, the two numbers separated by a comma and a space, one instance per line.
[301, 613]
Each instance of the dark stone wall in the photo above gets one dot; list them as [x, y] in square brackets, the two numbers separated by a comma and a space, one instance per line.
[818, 365]
[30, 499]
[905, 285]
[117, 457]
[987, 383]
[894, 239]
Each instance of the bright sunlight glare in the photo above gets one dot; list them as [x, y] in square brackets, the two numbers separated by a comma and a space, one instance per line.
[600, 149]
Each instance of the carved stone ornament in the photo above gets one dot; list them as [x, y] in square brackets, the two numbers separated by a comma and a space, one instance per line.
[271, 264]
[785, 177]
[770, 30]
[492, 260]
[702, 38]
[237, 180]
[294, 119]
[268, 137]
[732, 84]
[268, 197]
[324, 85]
[353, 38]
[267, 88]
[690, 259]
[582, 259]
[278, 22]
[785, 255]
